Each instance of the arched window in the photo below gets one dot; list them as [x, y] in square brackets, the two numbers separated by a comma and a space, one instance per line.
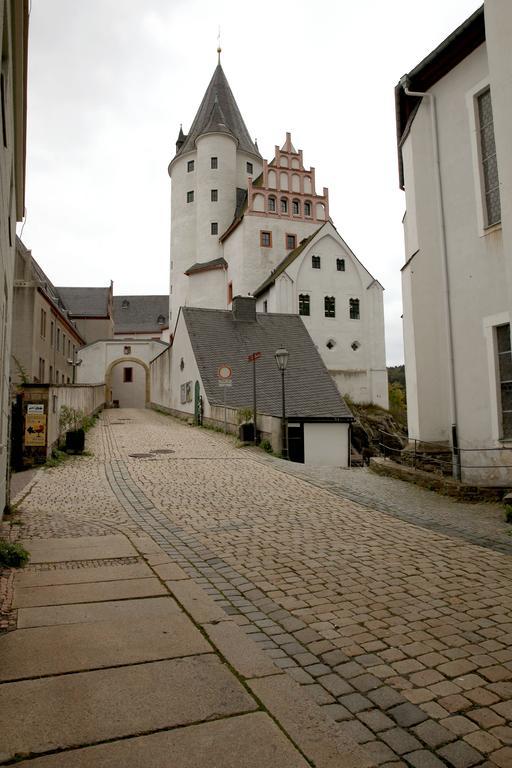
[296, 208]
[307, 208]
[272, 204]
[284, 205]
[354, 309]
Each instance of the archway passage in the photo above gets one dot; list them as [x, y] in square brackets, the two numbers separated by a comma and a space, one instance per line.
[127, 383]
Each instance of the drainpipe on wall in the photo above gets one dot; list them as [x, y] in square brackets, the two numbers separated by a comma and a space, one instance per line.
[404, 82]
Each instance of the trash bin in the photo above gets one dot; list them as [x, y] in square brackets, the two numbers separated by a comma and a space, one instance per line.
[246, 432]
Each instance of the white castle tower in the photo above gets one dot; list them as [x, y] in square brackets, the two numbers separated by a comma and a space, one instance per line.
[211, 168]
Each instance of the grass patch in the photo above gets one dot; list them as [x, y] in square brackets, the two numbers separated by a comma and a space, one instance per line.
[56, 459]
[12, 555]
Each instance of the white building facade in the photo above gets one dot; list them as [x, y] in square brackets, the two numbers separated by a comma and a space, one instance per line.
[243, 226]
[454, 117]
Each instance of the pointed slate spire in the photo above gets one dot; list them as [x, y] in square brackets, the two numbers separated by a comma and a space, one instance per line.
[219, 111]
[180, 140]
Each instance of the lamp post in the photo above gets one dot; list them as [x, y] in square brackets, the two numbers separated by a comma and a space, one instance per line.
[281, 357]
[74, 363]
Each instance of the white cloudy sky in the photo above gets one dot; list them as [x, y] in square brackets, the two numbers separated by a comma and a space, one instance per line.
[111, 80]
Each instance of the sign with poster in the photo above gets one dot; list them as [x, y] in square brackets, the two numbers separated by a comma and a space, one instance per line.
[35, 429]
[35, 408]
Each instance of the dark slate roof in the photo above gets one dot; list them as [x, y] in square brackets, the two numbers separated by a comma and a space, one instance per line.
[217, 339]
[219, 112]
[139, 314]
[454, 49]
[85, 302]
[203, 266]
[286, 262]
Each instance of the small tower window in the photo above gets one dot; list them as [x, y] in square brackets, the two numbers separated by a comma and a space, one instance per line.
[272, 204]
[315, 262]
[304, 304]
[284, 205]
[214, 195]
[250, 167]
[214, 228]
[266, 239]
[307, 208]
[214, 162]
[354, 309]
[340, 265]
[190, 197]
[291, 242]
[330, 306]
[296, 208]
[190, 166]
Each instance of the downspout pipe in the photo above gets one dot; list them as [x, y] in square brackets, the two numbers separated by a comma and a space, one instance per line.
[404, 82]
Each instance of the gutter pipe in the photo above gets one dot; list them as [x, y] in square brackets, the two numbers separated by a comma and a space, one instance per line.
[404, 82]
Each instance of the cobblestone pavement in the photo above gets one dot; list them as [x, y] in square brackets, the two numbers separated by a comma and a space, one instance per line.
[482, 523]
[403, 634]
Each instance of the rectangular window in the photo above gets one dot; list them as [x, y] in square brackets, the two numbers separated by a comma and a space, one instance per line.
[190, 166]
[307, 209]
[127, 375]
[265, 306]
[250, 168]
[214, 195]
[304, 304]
[214, 228]
[41, 370]
[51, 375]
[354, 309]
[43, 324]
[62, 379]
[488, 159]
[69, 348]
[214, 162]
[291, 242]
[330, 306]
[52, 332]
[190, 196]
[57, 345]
[340, 265]
[63, 343]
[505, 372]
[230, 293]
[266, 239]
[315, 262]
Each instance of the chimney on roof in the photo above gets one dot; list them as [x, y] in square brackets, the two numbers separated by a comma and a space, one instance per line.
[244, 309]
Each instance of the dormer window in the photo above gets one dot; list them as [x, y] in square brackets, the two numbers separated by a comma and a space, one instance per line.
[125, 304]
[160, 320]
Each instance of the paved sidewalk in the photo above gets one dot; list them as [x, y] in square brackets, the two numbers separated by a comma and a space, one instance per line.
[400, 634]
[108, 668]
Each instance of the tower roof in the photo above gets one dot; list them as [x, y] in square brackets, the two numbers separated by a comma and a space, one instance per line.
[218, 112]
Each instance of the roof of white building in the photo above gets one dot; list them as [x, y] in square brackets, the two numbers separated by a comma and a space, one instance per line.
[86, 301]
[218, 338]
[218, 112]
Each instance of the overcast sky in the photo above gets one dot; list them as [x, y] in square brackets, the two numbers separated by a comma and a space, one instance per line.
[111, 80]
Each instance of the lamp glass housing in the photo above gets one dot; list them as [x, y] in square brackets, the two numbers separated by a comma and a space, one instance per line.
[281, 357]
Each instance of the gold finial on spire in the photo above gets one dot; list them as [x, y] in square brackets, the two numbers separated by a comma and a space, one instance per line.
[219, 49]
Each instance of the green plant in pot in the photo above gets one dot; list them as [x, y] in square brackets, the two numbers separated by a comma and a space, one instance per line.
[71, 422]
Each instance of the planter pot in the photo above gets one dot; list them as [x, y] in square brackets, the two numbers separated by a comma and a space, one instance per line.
[75, 441]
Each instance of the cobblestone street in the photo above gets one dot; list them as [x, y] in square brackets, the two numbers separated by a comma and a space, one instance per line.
[390, 605]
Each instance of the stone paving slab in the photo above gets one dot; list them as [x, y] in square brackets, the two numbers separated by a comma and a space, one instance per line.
[61, 594]
[242, 653]
[148, 608]
[78, 548]
[78, 647]
[248, 741]
[52, 713]
[195, 600]
[83, 575]
[316, 735]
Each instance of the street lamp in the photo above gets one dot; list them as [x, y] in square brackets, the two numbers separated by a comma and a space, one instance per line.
[281, 357]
